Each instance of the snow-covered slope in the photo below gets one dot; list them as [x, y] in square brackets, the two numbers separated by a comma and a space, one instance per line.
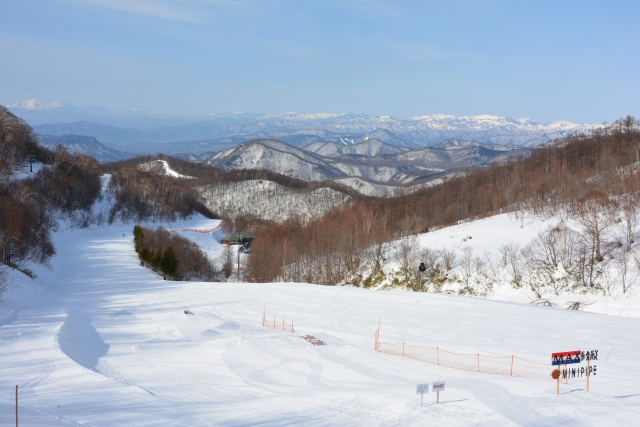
[488, 266]
[99, 340]
[275, 156]
[375, 172]
[369, 147]
[371, 188]
[372, 159]
[269, 200]
[162, 167]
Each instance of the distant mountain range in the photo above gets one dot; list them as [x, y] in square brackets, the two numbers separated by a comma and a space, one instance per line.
[371, 160]
[136, 131]
[84, 145]
[355, 149]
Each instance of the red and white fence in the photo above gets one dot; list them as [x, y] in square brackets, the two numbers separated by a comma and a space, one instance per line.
[277, 324]
[194, 230]
[497, 365]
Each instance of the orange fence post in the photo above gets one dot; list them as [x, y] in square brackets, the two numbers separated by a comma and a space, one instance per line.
[511, 371]
[402, 348]
[478, 362]
[438, 351]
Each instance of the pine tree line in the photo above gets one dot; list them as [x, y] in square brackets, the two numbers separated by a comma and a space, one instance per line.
[172, 256]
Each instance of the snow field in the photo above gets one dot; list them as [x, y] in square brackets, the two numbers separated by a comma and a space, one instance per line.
[106, 342]
[486, 236]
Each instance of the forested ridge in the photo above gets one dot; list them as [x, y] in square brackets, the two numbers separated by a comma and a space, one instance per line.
[581, 173]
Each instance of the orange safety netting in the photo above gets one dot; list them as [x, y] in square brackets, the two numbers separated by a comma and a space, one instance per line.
[496, 365]
[195, 230]
[277, 324]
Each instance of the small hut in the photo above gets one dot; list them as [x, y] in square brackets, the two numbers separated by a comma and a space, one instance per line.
[238, 238]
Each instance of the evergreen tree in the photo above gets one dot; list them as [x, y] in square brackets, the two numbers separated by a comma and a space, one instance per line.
[138, 238]
[156, 259]
[169, 263]
[146, 255]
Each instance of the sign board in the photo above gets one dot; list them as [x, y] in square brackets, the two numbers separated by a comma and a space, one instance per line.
[579, 372]
[438, 386]
[422, 388]
[565, 357]
[589, 355]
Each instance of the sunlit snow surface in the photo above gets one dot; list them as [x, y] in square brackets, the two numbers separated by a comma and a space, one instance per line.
[100, 341]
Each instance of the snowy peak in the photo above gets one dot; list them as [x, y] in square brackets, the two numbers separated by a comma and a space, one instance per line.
[34, 104]
[275, 156]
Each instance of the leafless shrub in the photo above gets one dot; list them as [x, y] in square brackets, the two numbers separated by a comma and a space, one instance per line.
[448, 257]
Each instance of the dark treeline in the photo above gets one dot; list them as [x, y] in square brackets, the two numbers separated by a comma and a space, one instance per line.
[67, 185]
[572, 170]
[172, 256]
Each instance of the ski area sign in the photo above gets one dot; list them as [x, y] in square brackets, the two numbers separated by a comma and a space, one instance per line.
[565, 357]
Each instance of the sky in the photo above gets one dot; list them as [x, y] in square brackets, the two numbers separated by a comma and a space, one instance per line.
[544, 60]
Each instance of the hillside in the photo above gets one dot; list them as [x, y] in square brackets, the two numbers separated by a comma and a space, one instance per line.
[270, 201]
[369, 147]
[277, 157]
[371, 159]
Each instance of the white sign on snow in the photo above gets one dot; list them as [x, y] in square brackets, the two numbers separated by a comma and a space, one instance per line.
[422, 388]
[438, 386]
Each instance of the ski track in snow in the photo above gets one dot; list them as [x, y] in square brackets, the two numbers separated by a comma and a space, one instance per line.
[104, 341]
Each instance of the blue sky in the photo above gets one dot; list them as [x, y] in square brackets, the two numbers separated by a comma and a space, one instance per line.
[569, 60]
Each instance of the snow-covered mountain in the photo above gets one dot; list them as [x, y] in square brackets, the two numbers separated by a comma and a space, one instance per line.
[36, 105]
[369, 147]
[275, 156]
[138, 127]
[371, 159]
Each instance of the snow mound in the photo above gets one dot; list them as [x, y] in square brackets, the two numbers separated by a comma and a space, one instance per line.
[80, 341]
